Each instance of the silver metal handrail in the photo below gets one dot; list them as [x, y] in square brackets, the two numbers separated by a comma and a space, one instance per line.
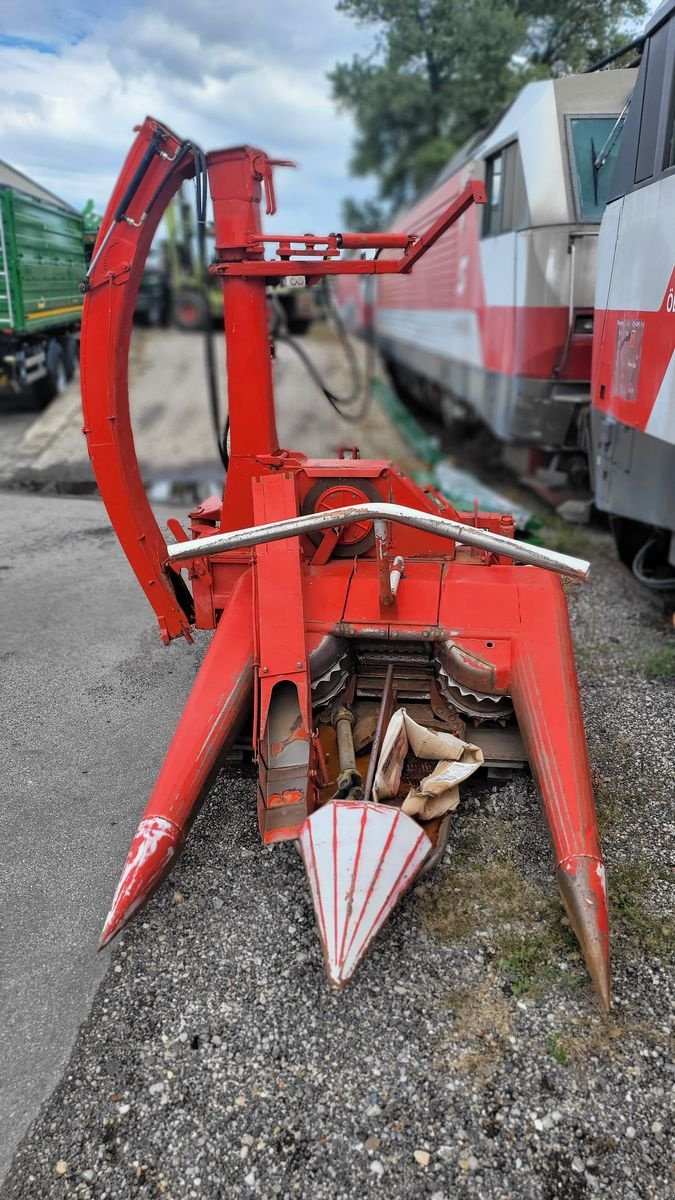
[399, 514]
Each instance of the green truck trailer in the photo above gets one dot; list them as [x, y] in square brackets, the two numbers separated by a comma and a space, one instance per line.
[43, 258]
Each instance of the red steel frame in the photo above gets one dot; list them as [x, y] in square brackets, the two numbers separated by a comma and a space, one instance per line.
[272, 605]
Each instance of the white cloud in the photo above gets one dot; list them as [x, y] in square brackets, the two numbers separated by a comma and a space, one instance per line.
[221, 72]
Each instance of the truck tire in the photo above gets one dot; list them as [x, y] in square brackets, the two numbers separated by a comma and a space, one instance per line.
[298, 325]
[190, 311]
[54, 382]
[69, 348]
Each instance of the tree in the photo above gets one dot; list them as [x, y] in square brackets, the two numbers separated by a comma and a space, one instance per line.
[441, 70]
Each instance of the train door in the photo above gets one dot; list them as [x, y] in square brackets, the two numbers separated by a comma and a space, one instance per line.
[498, 270]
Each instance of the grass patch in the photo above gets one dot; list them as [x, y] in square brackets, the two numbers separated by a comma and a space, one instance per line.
[478, 897]
[661, 663]
[527, 934]
[520, 966]
[609, 1039]
[530, 962]
[475, 1041]
[567, 538]
[607, 803]
[631, 920]
[556, 1048]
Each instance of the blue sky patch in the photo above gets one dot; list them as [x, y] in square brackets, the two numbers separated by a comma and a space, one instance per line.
[24, 43]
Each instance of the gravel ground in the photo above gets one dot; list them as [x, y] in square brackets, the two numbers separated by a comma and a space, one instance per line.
[467, 1058]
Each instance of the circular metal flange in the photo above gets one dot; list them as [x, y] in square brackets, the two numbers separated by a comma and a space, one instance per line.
[327, 494]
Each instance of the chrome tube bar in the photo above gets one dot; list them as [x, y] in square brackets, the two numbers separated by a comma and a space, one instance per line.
[468, 535]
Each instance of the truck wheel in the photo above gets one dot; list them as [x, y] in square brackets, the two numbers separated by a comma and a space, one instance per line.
[70, 356]
[160, 311]
[54, 382]
[629, 537]
[190, 311]
[298, 325]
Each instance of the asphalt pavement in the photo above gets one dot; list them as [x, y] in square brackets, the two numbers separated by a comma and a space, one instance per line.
[90, 697]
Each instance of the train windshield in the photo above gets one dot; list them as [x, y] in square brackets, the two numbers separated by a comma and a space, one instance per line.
[595, 144]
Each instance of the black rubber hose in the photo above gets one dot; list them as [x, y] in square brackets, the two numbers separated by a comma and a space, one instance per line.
[201, 185]
[134, 183]
[360, 389]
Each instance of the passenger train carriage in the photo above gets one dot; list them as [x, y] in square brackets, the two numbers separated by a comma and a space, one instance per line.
[499, 317]
[633, 418]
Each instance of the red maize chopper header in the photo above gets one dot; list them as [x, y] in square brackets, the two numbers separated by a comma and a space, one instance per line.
[353, 610]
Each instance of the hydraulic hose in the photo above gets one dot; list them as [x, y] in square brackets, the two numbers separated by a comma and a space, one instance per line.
[360, 388]
[201, 194]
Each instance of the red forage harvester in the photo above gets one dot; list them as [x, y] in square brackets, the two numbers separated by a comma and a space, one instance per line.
[339, 591]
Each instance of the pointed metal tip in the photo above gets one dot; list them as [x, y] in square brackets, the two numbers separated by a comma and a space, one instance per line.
[151, 855]
[581, 880]
[360, 859]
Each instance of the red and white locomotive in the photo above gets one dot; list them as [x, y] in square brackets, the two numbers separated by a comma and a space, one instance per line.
[633, 415]
[498, 322]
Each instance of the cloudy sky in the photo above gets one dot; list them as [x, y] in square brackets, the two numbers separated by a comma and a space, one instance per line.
[76, 77]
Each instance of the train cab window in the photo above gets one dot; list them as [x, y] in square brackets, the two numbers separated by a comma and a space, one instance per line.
[506, 207]
[670, 131]
[651, 105]
[594, 143]
[493, 211]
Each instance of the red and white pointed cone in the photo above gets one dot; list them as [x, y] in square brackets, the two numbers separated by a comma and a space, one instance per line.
[156, 844]
[360, 859]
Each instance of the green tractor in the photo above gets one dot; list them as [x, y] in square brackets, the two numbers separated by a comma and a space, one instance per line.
[193, 296]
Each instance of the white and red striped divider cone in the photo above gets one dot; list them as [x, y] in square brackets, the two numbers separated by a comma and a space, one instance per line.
[360, 859]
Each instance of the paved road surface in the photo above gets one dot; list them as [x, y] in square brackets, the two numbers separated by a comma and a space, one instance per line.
[171, 420]
[89, 699]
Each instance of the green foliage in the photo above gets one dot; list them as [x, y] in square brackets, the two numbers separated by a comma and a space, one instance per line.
[363, 216]
[564, 37]
[661, 663]
[556, 1049]
[441, 70]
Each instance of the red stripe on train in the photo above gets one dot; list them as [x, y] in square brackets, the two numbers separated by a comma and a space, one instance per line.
[633, 350]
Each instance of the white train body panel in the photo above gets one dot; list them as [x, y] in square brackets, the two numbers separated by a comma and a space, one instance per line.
[499, 314]
[633, 418]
